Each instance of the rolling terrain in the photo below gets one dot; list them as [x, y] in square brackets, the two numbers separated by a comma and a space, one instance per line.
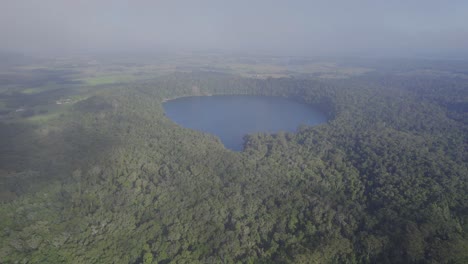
[92, 171]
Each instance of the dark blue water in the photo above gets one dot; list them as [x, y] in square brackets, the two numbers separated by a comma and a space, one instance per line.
[232, 117]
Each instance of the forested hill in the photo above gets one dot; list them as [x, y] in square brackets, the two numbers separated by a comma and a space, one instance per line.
[384, 181]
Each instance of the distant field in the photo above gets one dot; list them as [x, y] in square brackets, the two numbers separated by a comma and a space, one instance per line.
[42, 118]
[109, 79]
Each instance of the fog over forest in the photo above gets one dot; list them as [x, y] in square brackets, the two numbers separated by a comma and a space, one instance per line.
[299, 27]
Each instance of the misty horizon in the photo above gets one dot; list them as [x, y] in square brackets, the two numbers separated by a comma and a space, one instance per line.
[297, 28]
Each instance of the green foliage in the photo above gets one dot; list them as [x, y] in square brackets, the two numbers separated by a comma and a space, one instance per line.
[383, 182]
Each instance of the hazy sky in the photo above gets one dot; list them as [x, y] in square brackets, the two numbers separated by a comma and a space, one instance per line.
[288, 27]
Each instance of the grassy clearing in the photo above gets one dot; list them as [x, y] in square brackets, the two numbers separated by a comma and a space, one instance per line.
[3, 105]
[43, 118]
[108, 79]
[40, 89]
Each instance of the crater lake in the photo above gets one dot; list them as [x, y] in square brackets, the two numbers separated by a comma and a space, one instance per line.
[231, 117]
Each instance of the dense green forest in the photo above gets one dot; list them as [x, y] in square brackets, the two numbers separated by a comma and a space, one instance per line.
[112, 180]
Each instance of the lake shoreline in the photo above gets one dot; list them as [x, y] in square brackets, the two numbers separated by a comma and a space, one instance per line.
[231, 117]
